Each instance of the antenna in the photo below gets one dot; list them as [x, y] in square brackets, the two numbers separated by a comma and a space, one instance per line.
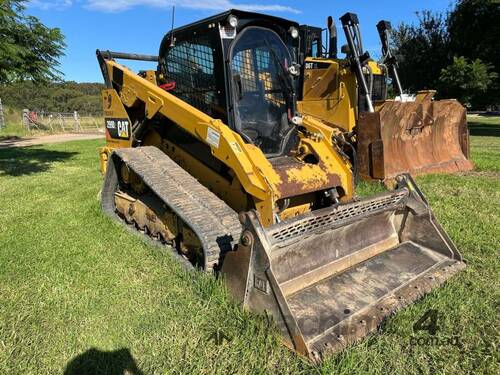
[172, 38]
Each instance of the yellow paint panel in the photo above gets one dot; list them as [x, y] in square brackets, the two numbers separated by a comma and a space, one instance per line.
[329, 92]
[113, 109]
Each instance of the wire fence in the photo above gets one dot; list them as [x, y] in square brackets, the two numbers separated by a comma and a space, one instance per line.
[62, 122]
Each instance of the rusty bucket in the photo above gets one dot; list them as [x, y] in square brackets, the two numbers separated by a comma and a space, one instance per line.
[420, 137]
[330, 277]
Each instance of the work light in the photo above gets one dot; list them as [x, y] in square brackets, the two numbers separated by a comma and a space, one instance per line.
[232, 21]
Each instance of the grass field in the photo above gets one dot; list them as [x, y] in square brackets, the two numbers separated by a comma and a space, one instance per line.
[79, 294]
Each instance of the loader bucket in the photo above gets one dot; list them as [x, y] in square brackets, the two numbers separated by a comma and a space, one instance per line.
[418, 137]
[331, 276]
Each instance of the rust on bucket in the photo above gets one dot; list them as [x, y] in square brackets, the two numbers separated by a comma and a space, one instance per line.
[419, 137]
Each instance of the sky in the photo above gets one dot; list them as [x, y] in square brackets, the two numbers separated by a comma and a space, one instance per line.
[138, 26]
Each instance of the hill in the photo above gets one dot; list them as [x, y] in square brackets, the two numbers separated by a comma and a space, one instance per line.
[53, 97]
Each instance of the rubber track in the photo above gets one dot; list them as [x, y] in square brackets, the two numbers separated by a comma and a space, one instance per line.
[211, 219]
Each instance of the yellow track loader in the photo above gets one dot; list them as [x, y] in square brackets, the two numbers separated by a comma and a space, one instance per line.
[416, 135]
[209, 155]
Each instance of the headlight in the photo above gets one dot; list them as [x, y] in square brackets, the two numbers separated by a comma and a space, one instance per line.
[232, 21]
[294, 32]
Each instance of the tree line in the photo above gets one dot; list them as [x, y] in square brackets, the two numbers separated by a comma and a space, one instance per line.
[456, 52]
[53, 96]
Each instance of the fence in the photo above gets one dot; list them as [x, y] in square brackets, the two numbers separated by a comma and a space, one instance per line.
[2, 117]
[61, 122]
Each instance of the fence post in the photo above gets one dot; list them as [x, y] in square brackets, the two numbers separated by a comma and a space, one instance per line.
[26, 119]
[2, 118]
[61, 118]
[77, 121]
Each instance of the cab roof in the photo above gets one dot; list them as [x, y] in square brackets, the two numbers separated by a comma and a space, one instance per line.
[241, 14]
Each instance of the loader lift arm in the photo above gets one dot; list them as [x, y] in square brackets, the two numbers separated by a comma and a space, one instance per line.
[246, 160]
[358, 57]
[193, 120]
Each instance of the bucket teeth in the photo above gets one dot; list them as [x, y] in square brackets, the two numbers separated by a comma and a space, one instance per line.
[330, 277]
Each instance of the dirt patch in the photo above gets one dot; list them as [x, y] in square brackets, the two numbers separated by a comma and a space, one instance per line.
[6, 142]
[10, 138]
[490, 174]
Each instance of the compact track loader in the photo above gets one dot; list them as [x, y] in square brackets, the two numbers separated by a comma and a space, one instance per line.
[209, 155]
[407, 135]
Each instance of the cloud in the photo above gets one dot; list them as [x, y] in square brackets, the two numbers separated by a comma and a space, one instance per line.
[51, 4]
[216, 5]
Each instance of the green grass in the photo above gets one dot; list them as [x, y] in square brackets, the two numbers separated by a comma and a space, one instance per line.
[13, 124]
[487, 125]
[78, 292]
[12, 129]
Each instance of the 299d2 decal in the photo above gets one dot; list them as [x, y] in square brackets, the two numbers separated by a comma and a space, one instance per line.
[118, 128]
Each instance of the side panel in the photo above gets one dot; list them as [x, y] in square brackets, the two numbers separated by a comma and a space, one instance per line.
[117, 125]
[329, 93]
[117, 122]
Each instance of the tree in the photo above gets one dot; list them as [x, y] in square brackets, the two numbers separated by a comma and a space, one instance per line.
[470, 30]
[474, 29]
[28, 48]
[422, 51]
[466, 80]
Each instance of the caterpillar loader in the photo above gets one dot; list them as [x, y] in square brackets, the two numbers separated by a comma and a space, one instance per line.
[388, 137]
[208, 154]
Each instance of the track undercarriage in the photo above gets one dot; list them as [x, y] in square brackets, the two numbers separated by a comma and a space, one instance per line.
[145, 188]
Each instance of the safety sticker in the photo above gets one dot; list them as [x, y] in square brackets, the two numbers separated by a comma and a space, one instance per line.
[213, 137]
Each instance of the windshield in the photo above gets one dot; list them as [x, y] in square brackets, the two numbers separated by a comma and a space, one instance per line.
[262, 89]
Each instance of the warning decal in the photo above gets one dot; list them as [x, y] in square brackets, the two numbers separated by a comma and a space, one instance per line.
[213, 137]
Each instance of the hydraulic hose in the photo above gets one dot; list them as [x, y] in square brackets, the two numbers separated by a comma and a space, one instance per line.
[354, 158]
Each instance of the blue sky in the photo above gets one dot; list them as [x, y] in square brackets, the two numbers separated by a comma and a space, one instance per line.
[139, 25]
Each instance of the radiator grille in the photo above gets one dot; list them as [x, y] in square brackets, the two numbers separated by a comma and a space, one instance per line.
[339, 216]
